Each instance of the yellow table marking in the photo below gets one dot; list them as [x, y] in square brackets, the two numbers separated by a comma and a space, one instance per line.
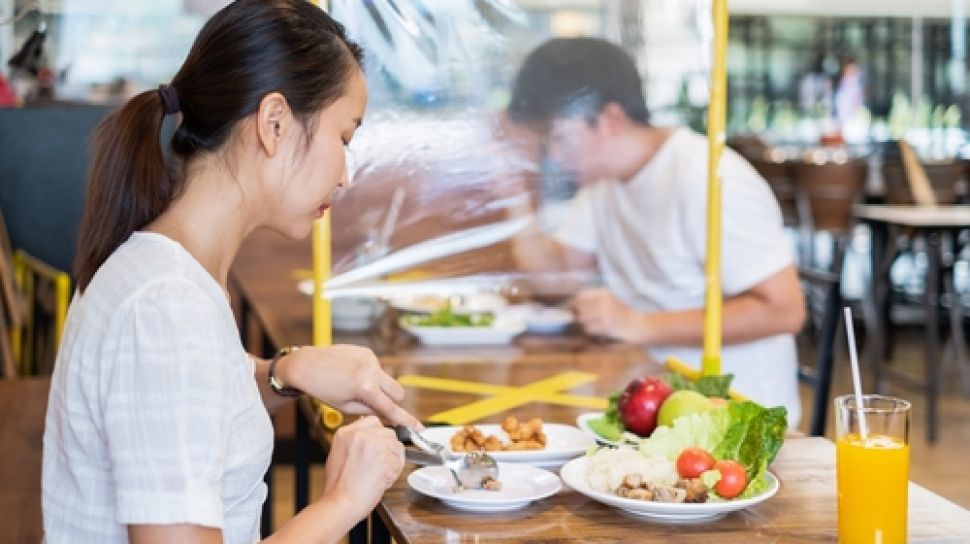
[505, 397]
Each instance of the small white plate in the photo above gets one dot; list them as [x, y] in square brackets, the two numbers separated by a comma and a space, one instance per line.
[521, 484]
[574, 475]
[502, 331]
[583, 423]
[563, 442]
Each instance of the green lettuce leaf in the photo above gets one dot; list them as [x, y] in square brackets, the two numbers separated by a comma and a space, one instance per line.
[609, 426]
[705, 430]
[610, 430]
[709, 386]
[754, 437]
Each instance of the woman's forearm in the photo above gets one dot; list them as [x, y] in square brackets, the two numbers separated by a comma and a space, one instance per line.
[325, 521]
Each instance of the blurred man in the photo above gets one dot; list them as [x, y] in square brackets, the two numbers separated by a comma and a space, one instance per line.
[640, 217]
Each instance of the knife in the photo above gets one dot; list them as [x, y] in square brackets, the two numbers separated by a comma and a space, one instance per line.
[421, 457]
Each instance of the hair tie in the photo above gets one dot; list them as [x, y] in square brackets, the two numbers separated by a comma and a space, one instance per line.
[170, 99]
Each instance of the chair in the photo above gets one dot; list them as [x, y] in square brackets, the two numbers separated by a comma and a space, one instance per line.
[11, 306]
[828, 192]
[944, 180]
[749, 146]
[47, 292]
[779, 178]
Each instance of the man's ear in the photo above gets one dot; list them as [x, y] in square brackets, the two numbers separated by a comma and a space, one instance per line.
[273, 120]
[612, 119]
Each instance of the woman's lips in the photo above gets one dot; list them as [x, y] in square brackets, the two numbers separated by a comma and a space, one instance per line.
[323, 208]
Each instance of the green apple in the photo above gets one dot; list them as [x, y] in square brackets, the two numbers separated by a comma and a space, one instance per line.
[682, 403]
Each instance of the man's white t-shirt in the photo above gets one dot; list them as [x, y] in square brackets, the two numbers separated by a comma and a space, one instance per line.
[154, 414]
[649, 233]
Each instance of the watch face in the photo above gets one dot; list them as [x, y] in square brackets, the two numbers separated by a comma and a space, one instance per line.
[275, 383]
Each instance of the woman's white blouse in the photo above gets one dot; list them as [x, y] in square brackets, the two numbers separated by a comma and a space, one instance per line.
[154, 413]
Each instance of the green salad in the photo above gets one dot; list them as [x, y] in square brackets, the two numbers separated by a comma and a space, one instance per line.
[445, 317]
[745, 432]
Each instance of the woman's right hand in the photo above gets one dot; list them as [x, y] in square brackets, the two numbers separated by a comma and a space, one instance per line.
[365, 459]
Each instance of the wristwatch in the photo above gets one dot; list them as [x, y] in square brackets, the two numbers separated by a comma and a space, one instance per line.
[277, 384]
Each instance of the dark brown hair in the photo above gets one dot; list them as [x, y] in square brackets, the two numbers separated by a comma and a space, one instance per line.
[568, 77]
[246, 51]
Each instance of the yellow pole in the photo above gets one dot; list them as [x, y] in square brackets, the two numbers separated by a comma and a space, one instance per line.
[322, 334]
[716, 113]
[322, 330]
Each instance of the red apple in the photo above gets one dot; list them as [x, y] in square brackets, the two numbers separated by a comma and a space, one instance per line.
[639, 403]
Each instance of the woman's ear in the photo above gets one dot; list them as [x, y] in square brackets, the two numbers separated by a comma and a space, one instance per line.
[272, 121]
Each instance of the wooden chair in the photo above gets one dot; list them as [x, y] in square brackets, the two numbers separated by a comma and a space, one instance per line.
[779, 178]
[11, 306]
[828, 192]
[944, 180]
[47, 292]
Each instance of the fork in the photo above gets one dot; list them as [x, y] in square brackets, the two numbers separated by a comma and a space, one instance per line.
[449, 460]
[468, 470]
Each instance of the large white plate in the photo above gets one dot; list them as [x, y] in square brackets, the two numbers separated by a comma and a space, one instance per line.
[502, 331]
[574, 474]
[521, 484]
[563, 442]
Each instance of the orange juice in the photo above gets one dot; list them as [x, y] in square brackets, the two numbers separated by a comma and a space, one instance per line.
[873, 480]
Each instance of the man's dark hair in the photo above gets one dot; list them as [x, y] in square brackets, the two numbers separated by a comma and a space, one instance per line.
[576, 77]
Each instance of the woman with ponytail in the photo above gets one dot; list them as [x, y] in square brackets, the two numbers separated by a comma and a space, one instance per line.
[158, 425]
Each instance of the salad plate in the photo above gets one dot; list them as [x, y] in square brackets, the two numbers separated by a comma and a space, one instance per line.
[574, 474]
[563, 442]
[500, 331]
[521, 485]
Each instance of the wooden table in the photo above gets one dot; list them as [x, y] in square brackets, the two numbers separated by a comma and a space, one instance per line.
[23, 405]
[885, 224]
[804, 509]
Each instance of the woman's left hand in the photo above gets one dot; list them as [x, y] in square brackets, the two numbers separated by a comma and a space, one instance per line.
[348, 378]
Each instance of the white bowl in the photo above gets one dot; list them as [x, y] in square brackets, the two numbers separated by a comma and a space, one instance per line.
[355, 314]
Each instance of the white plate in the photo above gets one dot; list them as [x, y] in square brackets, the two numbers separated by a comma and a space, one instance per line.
[563, 442]
[583, 423]
[521, 484]
[502, 331]
[574, 474]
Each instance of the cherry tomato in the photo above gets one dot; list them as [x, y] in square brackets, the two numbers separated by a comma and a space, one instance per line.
[733, 479]
[692, 462]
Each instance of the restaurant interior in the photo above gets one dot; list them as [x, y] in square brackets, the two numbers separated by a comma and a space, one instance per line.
[855, 115]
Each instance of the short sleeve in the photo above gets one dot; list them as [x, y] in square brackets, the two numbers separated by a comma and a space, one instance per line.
[754, 245]
[578, 229]
[165, 406]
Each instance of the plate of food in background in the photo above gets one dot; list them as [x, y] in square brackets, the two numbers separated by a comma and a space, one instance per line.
[446, 327]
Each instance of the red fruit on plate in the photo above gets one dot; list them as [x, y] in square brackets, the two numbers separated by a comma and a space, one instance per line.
[639, 403]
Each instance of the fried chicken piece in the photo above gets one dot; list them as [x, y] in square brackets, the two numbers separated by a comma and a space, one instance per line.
[694, 488]
[492, 443]
[510, 423]
[663, 493]
[639, 494]
[633, 480]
